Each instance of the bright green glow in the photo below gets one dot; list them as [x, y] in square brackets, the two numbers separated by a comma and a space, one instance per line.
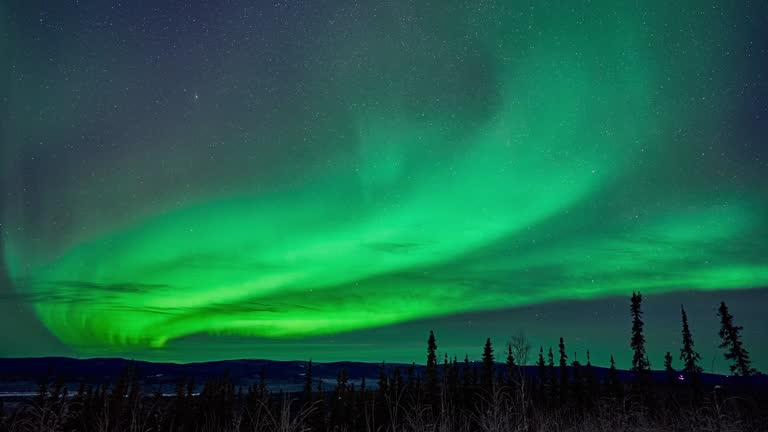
[540, 195]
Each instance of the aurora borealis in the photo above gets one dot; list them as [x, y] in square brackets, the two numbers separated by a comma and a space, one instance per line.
[285, 172]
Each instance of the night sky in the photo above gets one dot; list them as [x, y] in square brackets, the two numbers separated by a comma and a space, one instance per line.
[192, 181]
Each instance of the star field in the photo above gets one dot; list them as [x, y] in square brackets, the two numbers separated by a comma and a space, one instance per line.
[289, 173]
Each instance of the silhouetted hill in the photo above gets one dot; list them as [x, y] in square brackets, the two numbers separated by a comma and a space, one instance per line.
[23, 374]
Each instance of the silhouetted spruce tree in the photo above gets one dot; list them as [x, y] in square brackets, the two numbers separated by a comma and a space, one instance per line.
[551, 377]
[563, 372]
[487, 376]
[510, 366]
[466, 383]
[668, 369]
[614, 388]
[541, 366]
[431, 370]
[446, 370]
[688, 355]
[453, 379]
[640, 364]
[731, 335]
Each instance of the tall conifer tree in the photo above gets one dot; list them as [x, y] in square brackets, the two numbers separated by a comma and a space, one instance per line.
[613, 379]
[510, 366]
[730, 333]
[688, 355]
[563, 371]
[551, 377]
[487, 376]
[668, 369]
[640, 363]
[431, 370]
[541, 366]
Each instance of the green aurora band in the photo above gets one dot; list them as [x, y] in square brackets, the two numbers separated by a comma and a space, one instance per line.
[566, 164]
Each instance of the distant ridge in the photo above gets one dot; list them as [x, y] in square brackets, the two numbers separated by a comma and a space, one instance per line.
[24, 374]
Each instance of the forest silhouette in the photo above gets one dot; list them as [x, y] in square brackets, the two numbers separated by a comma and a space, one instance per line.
[502, 392]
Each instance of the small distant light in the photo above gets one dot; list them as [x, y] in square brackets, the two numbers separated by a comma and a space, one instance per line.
[680, 377]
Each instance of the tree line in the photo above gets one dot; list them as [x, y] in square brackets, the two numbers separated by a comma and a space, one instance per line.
[498, 393]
